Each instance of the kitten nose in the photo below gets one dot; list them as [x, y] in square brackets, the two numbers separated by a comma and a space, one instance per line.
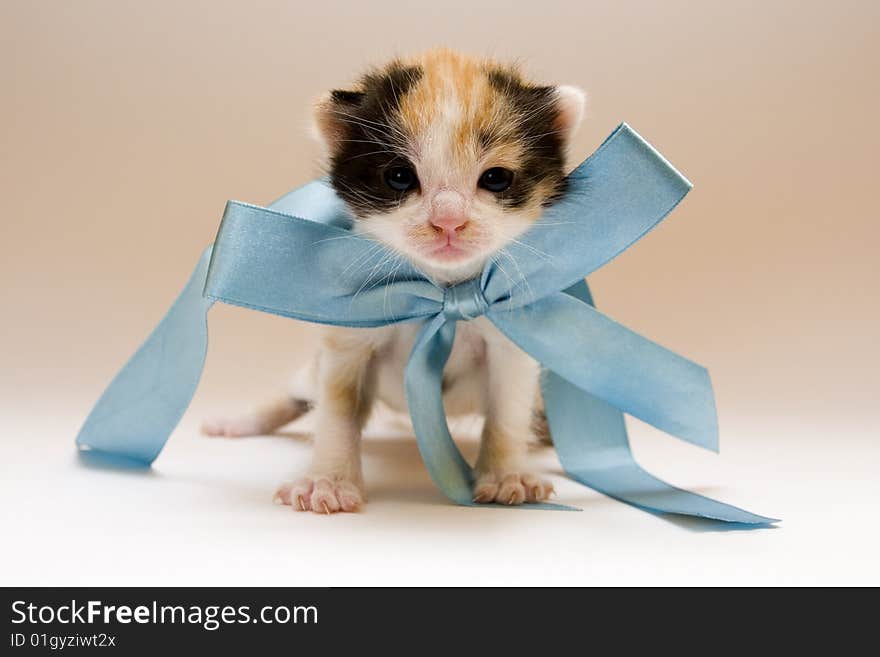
[449, 223]
[448, 212]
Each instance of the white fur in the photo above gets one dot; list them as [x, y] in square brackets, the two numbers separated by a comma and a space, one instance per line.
[572, 104]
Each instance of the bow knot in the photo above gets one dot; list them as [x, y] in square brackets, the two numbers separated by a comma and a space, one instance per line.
[464, 301]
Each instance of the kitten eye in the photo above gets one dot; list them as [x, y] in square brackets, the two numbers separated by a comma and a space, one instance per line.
[496, 179]
[401, 179]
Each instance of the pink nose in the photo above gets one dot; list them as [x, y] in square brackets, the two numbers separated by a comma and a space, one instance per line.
[448, 212]
[449, 223]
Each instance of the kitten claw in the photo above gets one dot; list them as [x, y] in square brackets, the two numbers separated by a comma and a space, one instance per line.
[325, 495]
[511, 488]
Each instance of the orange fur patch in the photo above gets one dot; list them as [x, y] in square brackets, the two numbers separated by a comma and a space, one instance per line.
[454, 89]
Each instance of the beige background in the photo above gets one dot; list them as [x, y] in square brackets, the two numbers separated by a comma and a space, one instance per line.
[126, 125]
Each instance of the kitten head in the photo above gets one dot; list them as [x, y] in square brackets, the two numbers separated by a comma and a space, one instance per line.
[445, 158]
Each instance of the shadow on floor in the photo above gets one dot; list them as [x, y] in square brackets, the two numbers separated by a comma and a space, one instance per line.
[396, 474]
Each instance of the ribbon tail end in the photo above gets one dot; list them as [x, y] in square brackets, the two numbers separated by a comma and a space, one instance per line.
[99, 459]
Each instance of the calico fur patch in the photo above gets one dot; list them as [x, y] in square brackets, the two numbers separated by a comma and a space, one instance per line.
[473, 110]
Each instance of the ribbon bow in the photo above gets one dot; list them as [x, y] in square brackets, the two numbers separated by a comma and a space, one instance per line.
[299, 258]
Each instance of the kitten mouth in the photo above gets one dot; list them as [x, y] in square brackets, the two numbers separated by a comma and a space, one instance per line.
[449, 251]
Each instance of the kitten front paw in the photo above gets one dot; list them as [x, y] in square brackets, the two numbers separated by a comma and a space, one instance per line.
[510, 488]
[323, 494]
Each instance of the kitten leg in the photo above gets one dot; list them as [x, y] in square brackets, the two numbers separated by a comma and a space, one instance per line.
[262, 421]
[501, 475]
[345, 394]
[540, 425]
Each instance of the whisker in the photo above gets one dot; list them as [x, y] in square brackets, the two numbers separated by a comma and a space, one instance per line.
[537, 252]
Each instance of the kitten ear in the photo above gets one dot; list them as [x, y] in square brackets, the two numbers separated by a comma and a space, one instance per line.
[329, 113]
[571, 102]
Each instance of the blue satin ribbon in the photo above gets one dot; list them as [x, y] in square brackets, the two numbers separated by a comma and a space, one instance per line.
[300, 258]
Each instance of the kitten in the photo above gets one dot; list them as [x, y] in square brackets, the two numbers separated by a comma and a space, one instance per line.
[444, 159]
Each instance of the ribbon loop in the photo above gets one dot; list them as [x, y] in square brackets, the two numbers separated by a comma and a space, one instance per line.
[464, 301]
